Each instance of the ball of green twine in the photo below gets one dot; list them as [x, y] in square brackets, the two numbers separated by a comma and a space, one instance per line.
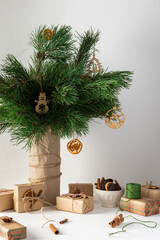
[133, 190]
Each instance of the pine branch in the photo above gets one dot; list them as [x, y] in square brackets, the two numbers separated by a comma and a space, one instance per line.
[58, 68]
[60, 45]
[12, 99]
[87, 42]
[12, 68]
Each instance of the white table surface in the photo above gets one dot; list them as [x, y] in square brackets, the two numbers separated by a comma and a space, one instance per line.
[93, 225]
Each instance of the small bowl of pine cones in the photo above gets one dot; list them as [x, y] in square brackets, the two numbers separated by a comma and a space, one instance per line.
[108, 192]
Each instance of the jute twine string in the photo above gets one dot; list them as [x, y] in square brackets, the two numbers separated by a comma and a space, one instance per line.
[141, 222]
[45, 166]
[44, 154]
[27, 200]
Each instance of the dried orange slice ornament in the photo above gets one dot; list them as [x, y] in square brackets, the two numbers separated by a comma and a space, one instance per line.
[30, 194]
[74, 146]
[47, 33]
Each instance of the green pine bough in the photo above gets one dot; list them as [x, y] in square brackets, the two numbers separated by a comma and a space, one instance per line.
[59, 68]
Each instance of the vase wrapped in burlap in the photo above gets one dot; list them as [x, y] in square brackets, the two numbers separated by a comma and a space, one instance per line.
[44, 165]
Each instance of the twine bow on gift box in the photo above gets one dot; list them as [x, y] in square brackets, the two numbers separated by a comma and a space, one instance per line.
[150, 186]
[79, 196]
[30, 198]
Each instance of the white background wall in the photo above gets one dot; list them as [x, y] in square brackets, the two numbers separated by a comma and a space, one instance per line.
[130, 40]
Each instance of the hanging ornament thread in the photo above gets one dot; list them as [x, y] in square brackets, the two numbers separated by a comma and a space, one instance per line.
[47, 33]
[114, 118]
[94, 66]
[74, 146]
[42, 106]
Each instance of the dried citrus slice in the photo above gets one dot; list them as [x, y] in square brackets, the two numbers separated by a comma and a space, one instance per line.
[74, 146]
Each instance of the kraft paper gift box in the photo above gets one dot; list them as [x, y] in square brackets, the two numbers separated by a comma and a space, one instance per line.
[12, 230]
[150, 193]
[86, 188]
[6, 199]
[144, 206]
[30, 190]
[81, 205]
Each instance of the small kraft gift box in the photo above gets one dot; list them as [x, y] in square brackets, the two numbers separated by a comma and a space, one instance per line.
[86, 188]
[144, 206]
[28, 197]
[6, 199]
[72, 203]
[150, 191]
[11, 230]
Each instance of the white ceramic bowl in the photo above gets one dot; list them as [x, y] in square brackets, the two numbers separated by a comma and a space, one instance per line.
[109, 198]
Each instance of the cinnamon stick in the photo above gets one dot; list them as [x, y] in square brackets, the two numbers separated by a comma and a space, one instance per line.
[53, 229]
[98, 183]
[116, 221]
[63, 221]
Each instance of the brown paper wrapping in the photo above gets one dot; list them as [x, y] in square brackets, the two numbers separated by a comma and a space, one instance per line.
[44, 165]
[86, 188]
[6, 199]
[20, 189]
[12, 230]
[75, 205]
[150, 193]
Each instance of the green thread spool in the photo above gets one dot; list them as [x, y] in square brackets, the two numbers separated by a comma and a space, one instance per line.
[133, 190]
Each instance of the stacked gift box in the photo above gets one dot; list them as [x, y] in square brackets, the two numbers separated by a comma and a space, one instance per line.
[150, 191]
[147, 205]
[24, 198]
[78, 200]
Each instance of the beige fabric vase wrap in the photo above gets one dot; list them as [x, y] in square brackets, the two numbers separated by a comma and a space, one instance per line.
[44, 165]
